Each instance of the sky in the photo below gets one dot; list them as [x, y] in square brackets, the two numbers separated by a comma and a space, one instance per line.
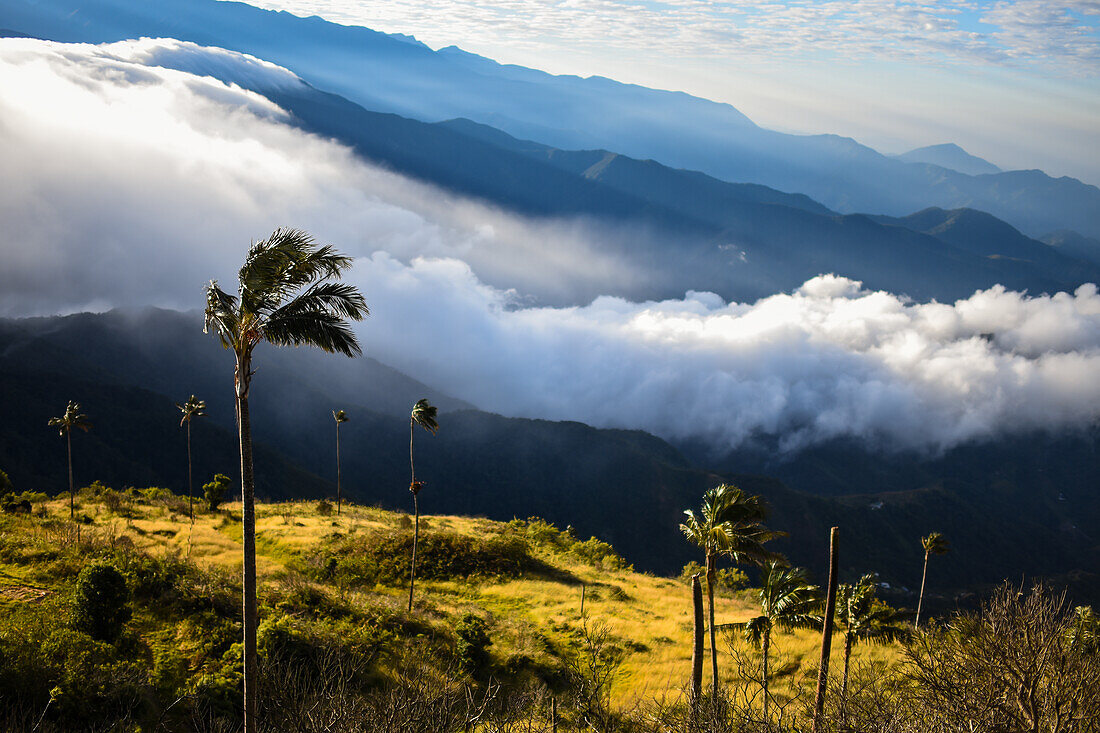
[103, 146]
[1014, 81]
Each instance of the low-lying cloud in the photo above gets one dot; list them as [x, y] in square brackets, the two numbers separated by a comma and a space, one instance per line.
[829, 360]
[130, 183]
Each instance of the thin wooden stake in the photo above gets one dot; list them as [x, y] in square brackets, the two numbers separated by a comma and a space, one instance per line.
[827, 631]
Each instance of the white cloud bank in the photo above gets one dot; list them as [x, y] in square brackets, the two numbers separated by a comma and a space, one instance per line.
[129, 184]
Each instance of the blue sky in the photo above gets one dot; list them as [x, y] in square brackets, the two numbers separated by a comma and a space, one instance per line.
[1014, 81]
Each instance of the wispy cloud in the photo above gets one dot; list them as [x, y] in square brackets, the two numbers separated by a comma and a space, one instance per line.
[1060, 36]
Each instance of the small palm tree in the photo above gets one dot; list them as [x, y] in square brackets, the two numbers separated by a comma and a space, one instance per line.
[191, 409]
[339, 416]
[285, 296]
[863, 618]
[787, 600]
[933, 544]
[423, 414]
[729, 522]
[65, 424]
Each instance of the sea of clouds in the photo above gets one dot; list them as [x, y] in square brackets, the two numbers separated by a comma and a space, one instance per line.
[132, 178]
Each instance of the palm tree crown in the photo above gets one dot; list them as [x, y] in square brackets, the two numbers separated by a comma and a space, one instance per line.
[191, 409]
[730, 522]
[71, 419]
[286, 297]
[339, 416]
[934, 544]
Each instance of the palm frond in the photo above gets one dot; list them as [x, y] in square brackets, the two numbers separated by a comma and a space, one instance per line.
[339, 416]
[319, 328]
[221, 316]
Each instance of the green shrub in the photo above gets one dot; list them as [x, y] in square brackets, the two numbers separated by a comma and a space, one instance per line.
[473, 642]
[215, 491]
[12, 504]
[729, 579]
[324, 508]
[384, 558]
[5, 483]
[101, 602]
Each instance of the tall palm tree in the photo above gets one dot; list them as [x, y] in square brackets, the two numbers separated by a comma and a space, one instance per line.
[339, 416]
[423, 414]
[787, 600]
[286, 296]
[65, 424]
[863, 618]
[191, 409]
[933, 544]
[730, 523]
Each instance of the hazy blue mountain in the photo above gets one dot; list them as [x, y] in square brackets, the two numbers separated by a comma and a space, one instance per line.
[952, 157]
[742, 241]
[397, 74]
[1026, 506]
[988, 236]
[1072, 244]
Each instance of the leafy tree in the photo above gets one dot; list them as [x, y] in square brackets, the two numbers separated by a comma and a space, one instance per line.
[5, 483]
[863, 618]
[787, 600]
[423, 414]
[65, 424]
[933, 544]
[339, 416]
[730, 522]
[101, 602]
[215, 491]
[286, 296]
[191, 409]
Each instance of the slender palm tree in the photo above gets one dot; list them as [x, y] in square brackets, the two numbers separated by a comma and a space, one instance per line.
[339, 416]
[730, 522]
[65, 424]
[933, 544]
[423, 414]
[286, 296]
[787, 600]
[191, 409]
[862, 617]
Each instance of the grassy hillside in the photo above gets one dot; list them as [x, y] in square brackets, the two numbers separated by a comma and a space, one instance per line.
[337, 585]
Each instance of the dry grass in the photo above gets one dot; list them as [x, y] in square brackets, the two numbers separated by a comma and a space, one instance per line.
[650, 615]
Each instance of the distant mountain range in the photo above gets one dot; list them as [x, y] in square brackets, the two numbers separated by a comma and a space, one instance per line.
[397, 74]
[1025, 506]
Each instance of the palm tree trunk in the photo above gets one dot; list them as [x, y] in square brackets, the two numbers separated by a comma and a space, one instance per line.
[764, 646]
[847, 656]
[248, 518]
[697, 644]
[337, 468]
[190, 485]
[711, 579]
[920, 599]
[72, 495]
[416, 537]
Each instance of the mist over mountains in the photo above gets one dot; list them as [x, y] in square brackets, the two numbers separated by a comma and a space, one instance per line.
[394, 74]
[537, 250]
